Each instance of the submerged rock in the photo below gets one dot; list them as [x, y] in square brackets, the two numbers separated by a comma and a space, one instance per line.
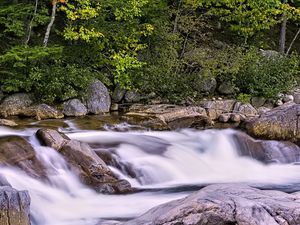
[97, 99]
[91, 168]
[281, 123]
[226, 204]
[14, 206]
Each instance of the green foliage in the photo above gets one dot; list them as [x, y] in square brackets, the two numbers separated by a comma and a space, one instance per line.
[244, 98]
[263, 76]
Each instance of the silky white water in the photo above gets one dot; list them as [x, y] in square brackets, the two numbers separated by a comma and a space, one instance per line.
[158, 159]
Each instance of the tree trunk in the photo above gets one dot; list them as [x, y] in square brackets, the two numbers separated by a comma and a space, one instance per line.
[283, 33]
[47, 34]
[31, 22]
[293, 41]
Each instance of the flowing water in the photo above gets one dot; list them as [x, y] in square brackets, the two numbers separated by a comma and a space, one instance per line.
[163, 165]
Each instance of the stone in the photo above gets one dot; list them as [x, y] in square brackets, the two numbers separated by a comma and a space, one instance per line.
[226, 204]
[132, 97]
[226, 88]
[114, 107]
[215, 108]
[41, 112]
[235, 117]
[14, 206]
[16, 151]
[266, 151]
[74, 107]
[13, 104]
[118, 94]
[1, 95]
[91, 169]
[258, 101]
[8, 123]
[281, 123]
[269, 53]
[97, 100]
[279, 102]
[262, 110]
[224, 118]
[288, 98]
[208, 85]
[247, 109]
[296, 95]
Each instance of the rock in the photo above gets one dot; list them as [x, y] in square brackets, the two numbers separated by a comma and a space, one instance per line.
[132, 97]
[16, 151]
[226, 88]
[215, 108]
[114, 107]
[226, 204]
[235, 117]
[208, 85]
[267, 151]
[118, 94]
[8, 123]
[224, 118]
[74, 107]
[41, 112]
[296, 95]
[279, 102]
[258, 101]
[269, 53]
[1, 95]
[288, 98]
[98, 99]
[262, 110]
[92, 170]
[14, 206]
[171, 116]
[247, 109]
[281, 123]
[13, 104]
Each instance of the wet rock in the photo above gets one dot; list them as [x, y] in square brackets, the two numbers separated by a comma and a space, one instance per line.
[74, 107]
[267, 151]
[215, 108]
[41, 112]
[14, 206]
[171, 116]
[12, 105]
[258, 101]
[281, 123]
[235, 117]
[224, 204]
[118, 94]
[92, 170]
[8, 123]
[226, 88]
[16, 151]
[132, 97]
[98, 99]
[224, 118]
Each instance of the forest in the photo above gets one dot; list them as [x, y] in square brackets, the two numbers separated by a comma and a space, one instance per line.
[173, 49]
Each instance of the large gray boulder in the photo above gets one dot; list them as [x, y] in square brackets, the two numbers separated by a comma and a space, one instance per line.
[92, 170]
[74, 107]
[14, 206]
[118, 94]
[12, 105]
[226, 204]
[226, 88]
[267, 151]
[281, 123]
[97, 99]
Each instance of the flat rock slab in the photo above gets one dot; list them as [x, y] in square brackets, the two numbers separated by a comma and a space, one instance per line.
[226, 204]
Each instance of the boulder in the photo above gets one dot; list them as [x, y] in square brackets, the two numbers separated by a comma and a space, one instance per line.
[226, 88]
[118, 94]
[16, 151]
[13, 104]
[41, 112]
[132, 97]
[226, 204]
[14, 206]
[267, 151]
[281, 123]
[171, 116]
[91, 169]
[208, 85]
[258, 101]
[288, 98]
[74, 107]
[97, 99]
[224, 118]
[296, 95]
[8, 123]
[215, 108]
[246, 109]
[262, 110]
